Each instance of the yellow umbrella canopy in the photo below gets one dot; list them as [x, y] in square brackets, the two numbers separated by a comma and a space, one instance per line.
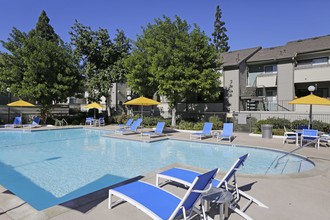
[142, 101]
[310, 100]
[94, 105]
[20, 103]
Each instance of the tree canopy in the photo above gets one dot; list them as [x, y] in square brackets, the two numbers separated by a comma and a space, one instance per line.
[220, 38]
[101, 59]
[174, 61]
[39, 66]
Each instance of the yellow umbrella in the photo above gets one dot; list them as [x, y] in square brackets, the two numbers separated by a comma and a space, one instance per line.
[20, 103]
[94, 105]
[310, 100]
[142, 101]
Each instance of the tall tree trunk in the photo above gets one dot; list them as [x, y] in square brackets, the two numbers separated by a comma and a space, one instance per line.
[107, 100]
[173, 116]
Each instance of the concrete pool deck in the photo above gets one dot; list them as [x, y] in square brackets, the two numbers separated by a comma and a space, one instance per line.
[290, 196]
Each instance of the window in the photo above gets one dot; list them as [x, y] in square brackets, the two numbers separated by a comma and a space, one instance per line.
[313, 62]
[320, 61]
[271, 92]
[270, 69]
[252, 79]
[304, 63]
[322, 92]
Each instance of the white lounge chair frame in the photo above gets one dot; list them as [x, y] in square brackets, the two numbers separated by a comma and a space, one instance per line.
[237, 193]
[288, 135]
[204, 133]
[186, 213]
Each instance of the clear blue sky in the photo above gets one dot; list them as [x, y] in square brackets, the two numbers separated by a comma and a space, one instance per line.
[250, 23]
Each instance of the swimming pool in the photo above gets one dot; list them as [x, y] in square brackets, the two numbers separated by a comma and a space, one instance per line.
[46, 168]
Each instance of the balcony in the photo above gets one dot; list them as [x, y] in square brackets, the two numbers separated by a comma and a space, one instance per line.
[266, 80]
[319, 73]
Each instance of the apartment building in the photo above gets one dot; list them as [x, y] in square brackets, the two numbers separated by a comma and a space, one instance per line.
[266, 79]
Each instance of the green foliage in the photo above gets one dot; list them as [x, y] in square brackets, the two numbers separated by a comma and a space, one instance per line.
[277, 123]
[173, 61]
[259, 123]
[295, 124]
[198, 126]
[279, 132]
[220, 38]
[187, 125]
[217, 123]
[39, 67]
[151, 121]
[321, 126]
[121, 119]
[100, 57]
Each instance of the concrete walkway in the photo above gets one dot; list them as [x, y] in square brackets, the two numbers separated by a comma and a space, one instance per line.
[293, 196]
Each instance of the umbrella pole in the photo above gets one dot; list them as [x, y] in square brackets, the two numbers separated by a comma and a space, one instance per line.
[142, 112]
[310, 126]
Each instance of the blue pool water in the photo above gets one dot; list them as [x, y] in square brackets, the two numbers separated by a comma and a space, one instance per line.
[46, 168]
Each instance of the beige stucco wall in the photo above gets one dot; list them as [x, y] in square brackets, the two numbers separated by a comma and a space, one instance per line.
[315, 74]
[231, 85]
[285, 83]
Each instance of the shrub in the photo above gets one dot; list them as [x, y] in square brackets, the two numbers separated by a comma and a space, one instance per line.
[278, 123]
[321, 126]
[121, 119]
[185, 125]
[151, 121]
[259, 123]
[217, 123]
[198, 126]
[278, 132]
[297, 123]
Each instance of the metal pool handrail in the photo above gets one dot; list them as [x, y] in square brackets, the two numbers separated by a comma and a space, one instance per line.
[289, 153]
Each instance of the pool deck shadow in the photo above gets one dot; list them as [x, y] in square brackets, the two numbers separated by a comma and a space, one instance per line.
[290, 196]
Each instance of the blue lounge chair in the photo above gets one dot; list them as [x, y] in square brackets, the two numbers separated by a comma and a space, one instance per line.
[227, 132]
[89, 121]
[207, 129]
[16, 124]
[185, 177]
[160, 204]
[132, 129]
[157, 132]
[99, 122]
[127, 125]
[34, 124]
[310, 136]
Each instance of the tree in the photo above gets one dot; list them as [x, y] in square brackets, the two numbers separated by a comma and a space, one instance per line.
[220, 38]
[101, 59]
[173, 61]
[39, 66]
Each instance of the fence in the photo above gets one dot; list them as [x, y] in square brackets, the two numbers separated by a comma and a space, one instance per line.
[8, 114]
[245, 121]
